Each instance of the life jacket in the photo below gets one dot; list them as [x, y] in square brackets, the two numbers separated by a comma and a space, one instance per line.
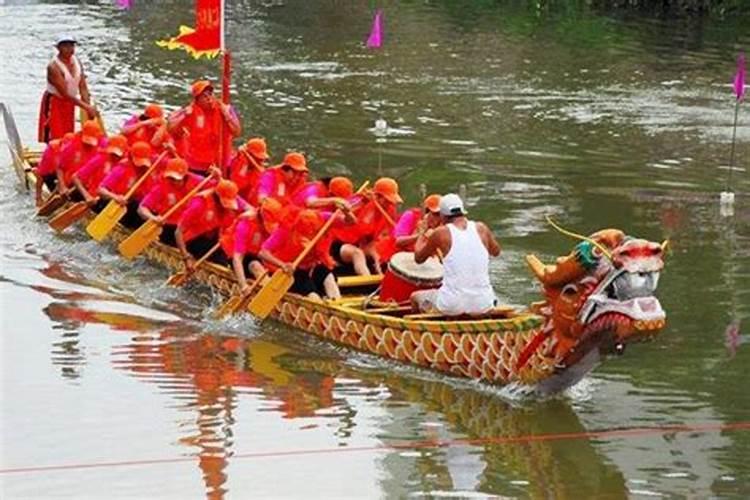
[204, 128]
[245, 171]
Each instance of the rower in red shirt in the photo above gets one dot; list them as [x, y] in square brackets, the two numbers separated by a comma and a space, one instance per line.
[77, 152]
[88, 178]
[282, 181]
[247, 166]
[207, 216]
[124, 175]
[148, 126]
[175, 184]
[46, 170]
[313, 277]
[205, 121]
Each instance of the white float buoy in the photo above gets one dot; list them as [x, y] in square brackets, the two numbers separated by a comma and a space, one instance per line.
[381, 125]
[726, 203]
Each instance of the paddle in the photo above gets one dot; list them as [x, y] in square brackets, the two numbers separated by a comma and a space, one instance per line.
[272, 292]
[238, 302]
[108, 218]
[181, 277]
[150, 231]
[385, 214]
[68, 216]
[51, 204]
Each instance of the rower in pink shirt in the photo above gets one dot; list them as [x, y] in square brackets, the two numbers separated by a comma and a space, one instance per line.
[247, 167]
[123, 177]
[84, 145]
[88, 178]
[46, 170]
[282, 181]
[174, 185]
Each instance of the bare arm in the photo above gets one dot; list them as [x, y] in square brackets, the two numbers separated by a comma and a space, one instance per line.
[239, 270]
[147, 214]
[427, 245]
[83, 88]
[233, 123]
[269, 257]
[82, 189]
[117, 198]
[493, 247]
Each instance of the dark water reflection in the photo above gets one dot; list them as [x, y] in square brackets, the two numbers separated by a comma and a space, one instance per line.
[596, 118]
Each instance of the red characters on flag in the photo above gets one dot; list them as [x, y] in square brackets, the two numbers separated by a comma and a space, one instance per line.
[207, 38]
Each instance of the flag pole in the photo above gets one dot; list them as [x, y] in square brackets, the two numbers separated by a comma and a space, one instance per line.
[734, 138]
[226, 70]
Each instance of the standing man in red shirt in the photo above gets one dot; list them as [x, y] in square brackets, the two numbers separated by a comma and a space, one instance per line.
[66, 89]
[205, 121]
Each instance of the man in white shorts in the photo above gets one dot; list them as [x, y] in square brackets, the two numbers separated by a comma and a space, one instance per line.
[466, 247]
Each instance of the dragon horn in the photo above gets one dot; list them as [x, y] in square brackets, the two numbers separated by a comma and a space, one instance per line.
[566, 269]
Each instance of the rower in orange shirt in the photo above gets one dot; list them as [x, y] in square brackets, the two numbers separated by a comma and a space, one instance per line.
[46, 170]
[175, 184]
[77, 152]
[205, 120]
[124, 176]
[313, 277]
[247, 166]
[88, 178]
[207, 216]
[148, 126]
[282, 181]
[250, 232]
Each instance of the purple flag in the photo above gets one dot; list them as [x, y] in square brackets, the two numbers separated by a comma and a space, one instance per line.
[124, 4]
[739, 78]
[375, 40]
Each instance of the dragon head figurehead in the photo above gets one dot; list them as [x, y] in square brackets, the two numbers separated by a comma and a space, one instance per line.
[602, 293]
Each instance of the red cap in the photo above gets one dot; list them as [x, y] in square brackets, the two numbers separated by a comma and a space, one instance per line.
[140, 154]
[176, 168]
[91, 132]
[388, 189]
[200, 86]
[296, 161]
[257, 147]
[153, 111]
[341, 187]
[227, 192]
[116, 145]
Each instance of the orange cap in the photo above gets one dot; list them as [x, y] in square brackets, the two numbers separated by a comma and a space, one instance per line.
[308, 223]
[91, 132]
[227, 191]
[140, 154]
[200, 86]
[388, 188]
[432, 203]
[176, 168]
[116, 145]
[257, 147]
[296, 161]
[341, 187]
[271, 211]
[153, 111]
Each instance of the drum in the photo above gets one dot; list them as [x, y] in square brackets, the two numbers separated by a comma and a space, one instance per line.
[405, 276]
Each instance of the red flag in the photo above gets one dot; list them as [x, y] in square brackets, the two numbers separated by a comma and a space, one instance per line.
[207, 38]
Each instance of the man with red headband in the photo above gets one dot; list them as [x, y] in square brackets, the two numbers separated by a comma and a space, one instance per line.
[66, 89]
[206, 121]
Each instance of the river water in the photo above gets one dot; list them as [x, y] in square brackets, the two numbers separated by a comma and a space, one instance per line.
[115, 387]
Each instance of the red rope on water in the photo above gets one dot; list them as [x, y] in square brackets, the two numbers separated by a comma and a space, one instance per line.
[412, 445]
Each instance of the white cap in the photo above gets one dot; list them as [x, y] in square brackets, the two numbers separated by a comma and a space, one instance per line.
[65, 38]
[451, 205]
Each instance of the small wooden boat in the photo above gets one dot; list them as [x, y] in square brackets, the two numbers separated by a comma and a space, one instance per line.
[595, 300]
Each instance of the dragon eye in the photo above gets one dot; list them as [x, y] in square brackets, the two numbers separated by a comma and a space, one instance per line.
[569, 290]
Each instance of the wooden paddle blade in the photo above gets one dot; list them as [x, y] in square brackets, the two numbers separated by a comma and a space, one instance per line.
[178, 279]
[68, 216]
[140, 239]
[55, 201]
[271, 293]
[107, 219]
[228, 307]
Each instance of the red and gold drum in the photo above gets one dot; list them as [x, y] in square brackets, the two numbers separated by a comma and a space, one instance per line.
[405, 276]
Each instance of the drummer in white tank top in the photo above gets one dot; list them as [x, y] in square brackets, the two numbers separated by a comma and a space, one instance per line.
[466, 247]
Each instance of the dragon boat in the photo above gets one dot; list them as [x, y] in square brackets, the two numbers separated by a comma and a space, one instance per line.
[595, 300]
